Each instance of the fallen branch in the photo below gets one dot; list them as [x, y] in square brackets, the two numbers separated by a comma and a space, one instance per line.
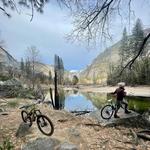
[144, 134]
[84, 111]
[134, 136]
[91, 124]
[125, 142]
[119, 147]
[144, 131]
[77, 113]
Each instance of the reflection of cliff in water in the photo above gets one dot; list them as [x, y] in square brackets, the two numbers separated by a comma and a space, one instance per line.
[98, 99]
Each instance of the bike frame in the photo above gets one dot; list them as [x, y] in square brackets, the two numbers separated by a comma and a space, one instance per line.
[114, 104]
[34, 113]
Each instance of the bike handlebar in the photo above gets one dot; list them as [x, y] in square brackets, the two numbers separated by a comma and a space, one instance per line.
[27, 106]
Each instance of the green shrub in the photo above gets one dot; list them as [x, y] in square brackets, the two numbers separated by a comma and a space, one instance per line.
[13, 104]
[6, 145]
[4, 78]
[20, 92]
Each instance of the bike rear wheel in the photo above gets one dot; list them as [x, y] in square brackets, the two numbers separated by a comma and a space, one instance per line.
[45, 125]
[107, 111]
[26, 118]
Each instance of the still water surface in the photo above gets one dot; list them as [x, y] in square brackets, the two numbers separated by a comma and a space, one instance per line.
[92, 101]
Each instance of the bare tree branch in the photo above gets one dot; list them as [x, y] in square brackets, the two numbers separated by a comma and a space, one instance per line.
[8, 15]
[32, 11]
[131, 62]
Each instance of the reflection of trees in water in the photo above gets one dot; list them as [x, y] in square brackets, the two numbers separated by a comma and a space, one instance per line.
[70, 92]
[139, 104]
[61, 98]
[98, 99]
[75, 91]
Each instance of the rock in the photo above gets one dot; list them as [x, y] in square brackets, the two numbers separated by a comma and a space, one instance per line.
[43, 144]
[96, 115]
[22, 130]
[76, 138]
[146, 116]
[68, 146]
[74, 132]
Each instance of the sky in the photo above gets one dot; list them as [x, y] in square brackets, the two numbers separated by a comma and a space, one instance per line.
[48, 31]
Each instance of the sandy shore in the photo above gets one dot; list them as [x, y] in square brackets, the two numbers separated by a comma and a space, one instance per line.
[133, 91]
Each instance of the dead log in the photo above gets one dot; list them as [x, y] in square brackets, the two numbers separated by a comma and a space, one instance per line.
[134, 136]
[143, 136]
[92, 124]
[83, 111]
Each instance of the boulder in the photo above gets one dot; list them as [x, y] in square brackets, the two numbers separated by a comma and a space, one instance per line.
[68, 146]
[42, 144]
[48, 144]
[146, 116]
[75, 137]
[23, 130]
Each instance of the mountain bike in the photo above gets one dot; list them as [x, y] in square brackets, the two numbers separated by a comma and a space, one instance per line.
[44, 124]
[108, 110]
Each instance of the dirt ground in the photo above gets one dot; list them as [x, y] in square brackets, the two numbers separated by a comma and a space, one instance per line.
[82, 131]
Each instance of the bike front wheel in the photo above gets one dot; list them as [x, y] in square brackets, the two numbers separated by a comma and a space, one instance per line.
[107, 112]
[45, 125]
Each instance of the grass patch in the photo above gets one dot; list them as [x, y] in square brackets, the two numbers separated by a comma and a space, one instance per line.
[13, 104]
[6, 145]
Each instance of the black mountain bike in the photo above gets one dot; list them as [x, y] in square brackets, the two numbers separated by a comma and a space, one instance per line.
[44, 124]
[108, 110]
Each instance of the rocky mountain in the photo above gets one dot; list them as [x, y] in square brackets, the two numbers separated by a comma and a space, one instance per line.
[44, 68]
[98, 70]
[7, 59]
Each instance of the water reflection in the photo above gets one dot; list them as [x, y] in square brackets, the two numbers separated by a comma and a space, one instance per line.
[139, 104]
[61, 98]
[74, 100]
[97, 99]
[77, 101]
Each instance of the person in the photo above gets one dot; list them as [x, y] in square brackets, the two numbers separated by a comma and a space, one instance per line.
[120, 94]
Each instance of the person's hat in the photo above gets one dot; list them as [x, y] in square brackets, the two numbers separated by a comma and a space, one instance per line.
[121, 84]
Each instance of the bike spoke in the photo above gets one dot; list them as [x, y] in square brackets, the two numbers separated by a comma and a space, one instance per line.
[107, 112]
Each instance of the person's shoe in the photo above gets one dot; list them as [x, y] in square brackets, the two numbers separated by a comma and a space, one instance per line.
[127, 112]
[116, 116]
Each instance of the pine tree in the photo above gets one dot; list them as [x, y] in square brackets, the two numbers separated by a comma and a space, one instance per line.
[22, 66]
[124, 48]
[137, 37]
[28, 69]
